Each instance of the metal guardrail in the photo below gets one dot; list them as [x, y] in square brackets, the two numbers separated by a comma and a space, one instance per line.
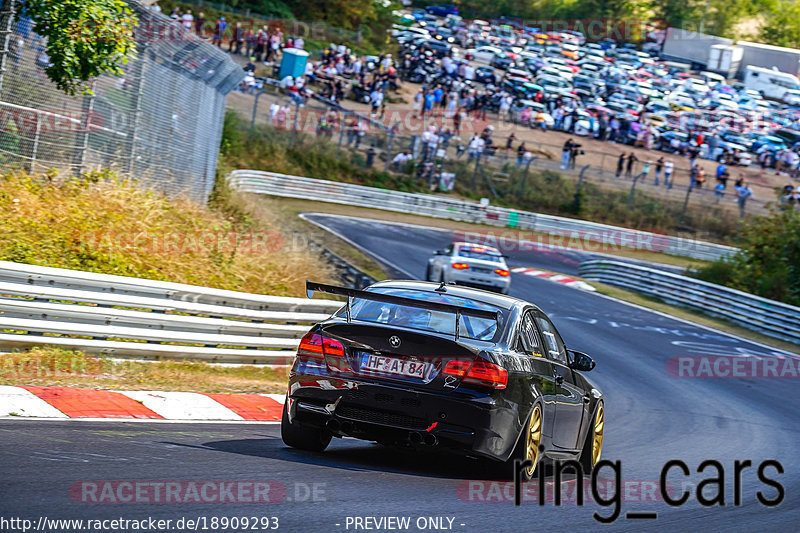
[129, 317]
[431, 205]
[766, 316]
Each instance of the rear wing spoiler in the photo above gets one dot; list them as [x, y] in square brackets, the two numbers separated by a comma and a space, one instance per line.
[459, 311]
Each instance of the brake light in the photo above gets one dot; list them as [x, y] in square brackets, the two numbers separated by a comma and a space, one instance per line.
[315, 345]
[460, 266]
[501, 272]
[478, 373]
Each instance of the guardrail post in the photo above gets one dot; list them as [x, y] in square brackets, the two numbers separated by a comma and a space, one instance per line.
[686, 203]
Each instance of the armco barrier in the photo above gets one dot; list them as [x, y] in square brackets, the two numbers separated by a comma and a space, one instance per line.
[769, 317]
[145, 319]
[270, 183]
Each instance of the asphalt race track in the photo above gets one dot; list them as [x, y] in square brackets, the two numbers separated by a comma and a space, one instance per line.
[651, 418]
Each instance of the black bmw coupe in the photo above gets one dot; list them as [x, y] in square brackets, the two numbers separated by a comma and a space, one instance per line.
[426, 364]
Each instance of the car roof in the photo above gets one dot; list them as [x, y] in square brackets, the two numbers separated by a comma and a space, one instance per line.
[479, 295]
[472, 244]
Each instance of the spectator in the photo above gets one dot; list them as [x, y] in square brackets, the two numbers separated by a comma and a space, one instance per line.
[620, 164]
[629, 168]
[743, 193]
[669, 166]
[540, 120]
[566, 154]
[401, 159]
[219, 31]
[521, 150]
[659, 166]
[187, 20]
[199, 24]
[237, 39]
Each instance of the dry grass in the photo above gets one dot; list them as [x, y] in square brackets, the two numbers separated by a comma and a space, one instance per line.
[102, 224]
[56, 367]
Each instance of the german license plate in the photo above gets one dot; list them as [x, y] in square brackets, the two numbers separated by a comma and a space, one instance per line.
[393, 365]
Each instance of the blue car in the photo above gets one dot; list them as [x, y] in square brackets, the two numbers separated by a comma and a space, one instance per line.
[442, 10]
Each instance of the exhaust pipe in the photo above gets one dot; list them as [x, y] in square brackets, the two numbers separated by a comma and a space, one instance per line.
[415, 437]
[333, 425]
[430, 439]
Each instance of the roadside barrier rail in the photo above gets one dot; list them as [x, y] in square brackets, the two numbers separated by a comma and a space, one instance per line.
[766, 316]
[120, 316]
[270, 183]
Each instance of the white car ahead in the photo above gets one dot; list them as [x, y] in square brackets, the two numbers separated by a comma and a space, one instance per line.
[473, 265]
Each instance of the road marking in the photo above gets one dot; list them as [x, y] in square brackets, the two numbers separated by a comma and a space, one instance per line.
[183, 405]
[18, 402]
[554, 277]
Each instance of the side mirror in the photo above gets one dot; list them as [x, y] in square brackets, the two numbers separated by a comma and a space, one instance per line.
[438, 252]
[581, 361]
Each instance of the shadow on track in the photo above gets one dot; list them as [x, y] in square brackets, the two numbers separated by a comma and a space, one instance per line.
[355, 455]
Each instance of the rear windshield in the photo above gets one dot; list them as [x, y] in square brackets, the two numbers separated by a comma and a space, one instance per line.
[475, 252]
[427, 320]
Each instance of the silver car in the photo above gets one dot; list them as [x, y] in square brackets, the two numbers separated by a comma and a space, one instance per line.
[473, 265]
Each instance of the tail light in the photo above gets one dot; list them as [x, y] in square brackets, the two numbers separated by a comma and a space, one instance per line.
[315, 345]
[460, 266]
[478, 373]
[501, 272]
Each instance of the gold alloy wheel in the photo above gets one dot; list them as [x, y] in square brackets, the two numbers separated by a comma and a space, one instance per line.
[597, 443]
[534, 438]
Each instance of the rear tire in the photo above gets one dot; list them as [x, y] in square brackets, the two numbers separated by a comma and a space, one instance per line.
[303, 437]
[527, 447]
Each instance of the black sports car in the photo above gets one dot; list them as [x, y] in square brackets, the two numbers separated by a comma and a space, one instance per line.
[427, 364]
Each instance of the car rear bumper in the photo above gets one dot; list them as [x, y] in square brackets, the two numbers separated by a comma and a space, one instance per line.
[473, 424]
[481, 281]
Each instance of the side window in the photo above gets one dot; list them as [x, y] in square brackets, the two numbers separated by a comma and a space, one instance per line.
[552, 340]
[448, 250]
[530, 342]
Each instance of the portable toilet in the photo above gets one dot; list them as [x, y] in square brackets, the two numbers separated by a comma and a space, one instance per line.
[293, 63]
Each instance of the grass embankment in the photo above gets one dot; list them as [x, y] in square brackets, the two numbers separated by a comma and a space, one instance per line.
[65, 368]
[102, 224]
[545, 191]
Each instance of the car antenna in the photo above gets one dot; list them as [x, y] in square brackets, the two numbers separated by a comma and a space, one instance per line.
[442, 287]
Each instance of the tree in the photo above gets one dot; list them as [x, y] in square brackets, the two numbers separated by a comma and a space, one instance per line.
[768, 263]
[85, 38]
[782, 24]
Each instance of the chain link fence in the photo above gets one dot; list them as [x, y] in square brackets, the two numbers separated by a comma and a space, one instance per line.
[159, 123]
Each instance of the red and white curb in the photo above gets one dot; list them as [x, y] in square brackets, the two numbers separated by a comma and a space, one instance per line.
[552, 276]
[67, 402]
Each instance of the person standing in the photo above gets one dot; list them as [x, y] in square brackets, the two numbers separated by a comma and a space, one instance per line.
[199, 24]
[669, 166]
[742, 194]
[566, 153]
[620, 164]
[629, 168]
[659, 166]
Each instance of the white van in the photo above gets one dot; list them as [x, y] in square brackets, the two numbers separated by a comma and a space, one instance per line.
[771, 83]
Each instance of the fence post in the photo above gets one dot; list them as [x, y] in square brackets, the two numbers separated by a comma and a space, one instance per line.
[686, 202]
[137, 108]
[255, 110]
[35, 147]
[389, 149]
[633, 189]
[525, 175]
[6, 20]
[82, 137]
[294, 125]
[475, 172]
